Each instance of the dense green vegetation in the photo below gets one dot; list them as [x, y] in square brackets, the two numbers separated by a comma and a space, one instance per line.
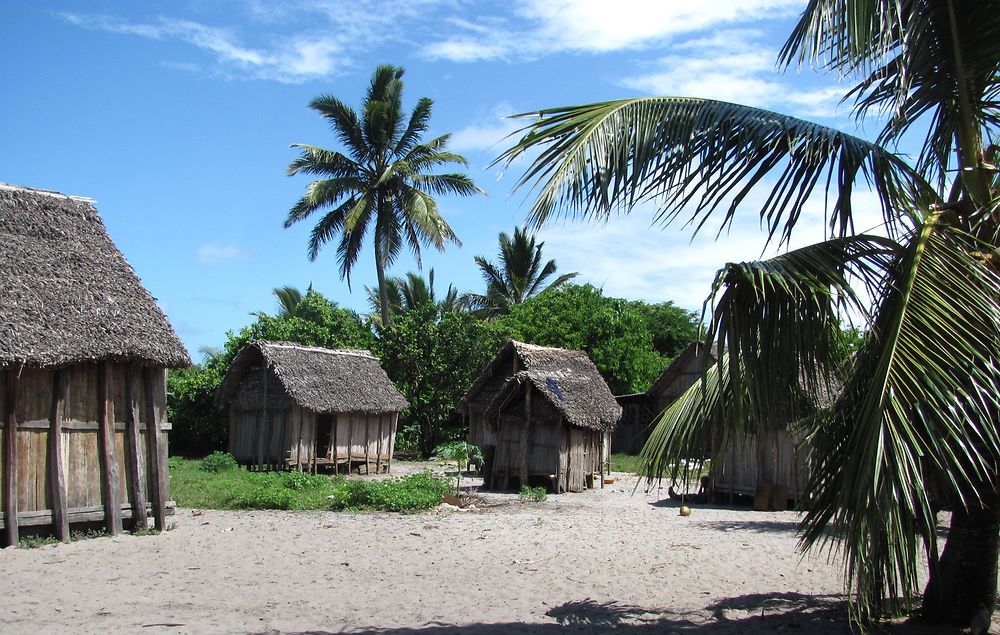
[914, 427]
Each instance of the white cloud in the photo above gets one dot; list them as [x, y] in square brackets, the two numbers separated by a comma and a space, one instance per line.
[293, 59]
[544, 27]
[732, 66]
[214, 253]
[487, 133]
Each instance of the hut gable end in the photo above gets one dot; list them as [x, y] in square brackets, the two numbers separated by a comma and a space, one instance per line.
[67, 295]
[583, 399]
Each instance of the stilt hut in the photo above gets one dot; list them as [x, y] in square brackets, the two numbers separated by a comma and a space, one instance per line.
[83, 356]
[640, 411]
[310, 408]
[526, 435]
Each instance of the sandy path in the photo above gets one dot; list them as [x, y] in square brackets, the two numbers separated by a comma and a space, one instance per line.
[600, 561]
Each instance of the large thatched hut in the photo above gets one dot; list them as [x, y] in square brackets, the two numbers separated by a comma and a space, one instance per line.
[307, 407]
[83, 357]
[640, 411]
[541, 414]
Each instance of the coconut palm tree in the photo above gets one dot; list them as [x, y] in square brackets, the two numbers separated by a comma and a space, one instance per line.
[519, 275]
[412, 292]
[916, 422]
[289, 298]
[382, 180]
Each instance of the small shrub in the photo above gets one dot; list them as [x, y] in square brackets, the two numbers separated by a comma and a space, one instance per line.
[34, 542]
[146, 531]
[175, 462]
[87, 534]
[407, 494]
[218, 462]
[261, 495]
[532, 494]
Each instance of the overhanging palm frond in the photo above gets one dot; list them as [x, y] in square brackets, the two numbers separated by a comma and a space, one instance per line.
[775, 328]
[694, 155]
[916, 410]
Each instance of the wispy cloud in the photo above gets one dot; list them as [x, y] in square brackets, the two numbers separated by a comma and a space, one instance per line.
[487, 132]
[294, 59]
[543, 27]
[214, 253]
[733, 65]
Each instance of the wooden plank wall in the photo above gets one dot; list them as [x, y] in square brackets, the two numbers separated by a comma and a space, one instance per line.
[773, 457]
[65, 477]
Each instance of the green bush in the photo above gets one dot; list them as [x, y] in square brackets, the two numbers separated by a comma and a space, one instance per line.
[407, 494]
[532, 494]
[218, 462]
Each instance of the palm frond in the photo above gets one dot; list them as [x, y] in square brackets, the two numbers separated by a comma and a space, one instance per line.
[918, 406]
[695, 155]
[343, 121]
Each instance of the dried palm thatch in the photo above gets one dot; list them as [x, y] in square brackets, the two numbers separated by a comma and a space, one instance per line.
[67, 295]
[578, 393]
[319, 379]
[529, 357]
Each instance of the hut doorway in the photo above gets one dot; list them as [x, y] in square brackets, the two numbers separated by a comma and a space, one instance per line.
[324, 432]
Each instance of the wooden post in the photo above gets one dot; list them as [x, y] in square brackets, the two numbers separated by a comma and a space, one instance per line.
[523, 441]
[57, 478]
[600, 457]
[350, 442]
[10, 458]
[133, 454]
[560, 468]
[392, 442]
[378, 446]
[367, 446]
[110, 472]
[335, 424]
[296, 413]
[154, 459]
[262, 420]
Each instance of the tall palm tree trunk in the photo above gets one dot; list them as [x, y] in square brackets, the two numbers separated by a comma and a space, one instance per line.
[383, 290]
[965, 580]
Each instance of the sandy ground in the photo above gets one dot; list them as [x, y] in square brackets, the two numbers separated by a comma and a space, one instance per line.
[601, 561]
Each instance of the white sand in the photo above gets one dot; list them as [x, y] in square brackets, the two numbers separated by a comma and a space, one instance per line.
[595, 562]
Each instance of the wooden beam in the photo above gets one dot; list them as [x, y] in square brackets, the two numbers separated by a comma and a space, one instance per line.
[262, 421]
[11, 537]
[523, 441]
[336, 448]
[57, 477]
[155, 459]
[392, 441]
[110, 472]
[350, 442]
[378, 446]
[134, 468]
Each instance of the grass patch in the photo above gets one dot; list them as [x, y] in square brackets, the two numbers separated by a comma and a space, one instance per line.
[34, 542]
[625, 463]
[232, 488]
[532, 494]
[407, 494]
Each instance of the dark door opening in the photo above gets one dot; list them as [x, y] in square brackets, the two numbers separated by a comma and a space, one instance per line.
[324, 430]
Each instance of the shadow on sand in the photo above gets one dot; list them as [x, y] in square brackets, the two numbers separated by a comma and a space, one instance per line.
[751, 614]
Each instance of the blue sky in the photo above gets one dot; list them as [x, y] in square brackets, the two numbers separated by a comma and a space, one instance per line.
[176, 117]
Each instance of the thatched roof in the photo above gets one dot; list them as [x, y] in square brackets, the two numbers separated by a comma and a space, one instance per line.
[67, 295]
[579, 394]
[529, 357]
[319, 379]
[691, 353]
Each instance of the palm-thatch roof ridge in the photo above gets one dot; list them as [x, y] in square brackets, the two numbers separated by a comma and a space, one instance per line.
[673, 370]
[531, 357]
[580, 396]
[319, 379]
[67, 294]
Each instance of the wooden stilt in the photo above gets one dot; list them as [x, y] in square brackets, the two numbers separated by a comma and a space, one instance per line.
[378, 447]
[154, 457]
[11, 536]
[350, 443]
[600, 452]
[110, 471]
[133, 454]
[392, 442]
[368, 462]
[57, 478]
[525, 432]
[262, 420]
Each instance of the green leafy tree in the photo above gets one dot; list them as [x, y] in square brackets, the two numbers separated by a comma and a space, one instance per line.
[916, 423]
[433, 356]
[383, 181]
[519, 275]
[671, 327]
[581, 317]
[289, 298]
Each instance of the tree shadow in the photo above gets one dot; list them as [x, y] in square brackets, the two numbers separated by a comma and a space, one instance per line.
[751, 614]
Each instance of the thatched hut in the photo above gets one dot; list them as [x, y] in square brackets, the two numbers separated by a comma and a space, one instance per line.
[640, 411]
[83, 356]
[541, 414]
[306, 407]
